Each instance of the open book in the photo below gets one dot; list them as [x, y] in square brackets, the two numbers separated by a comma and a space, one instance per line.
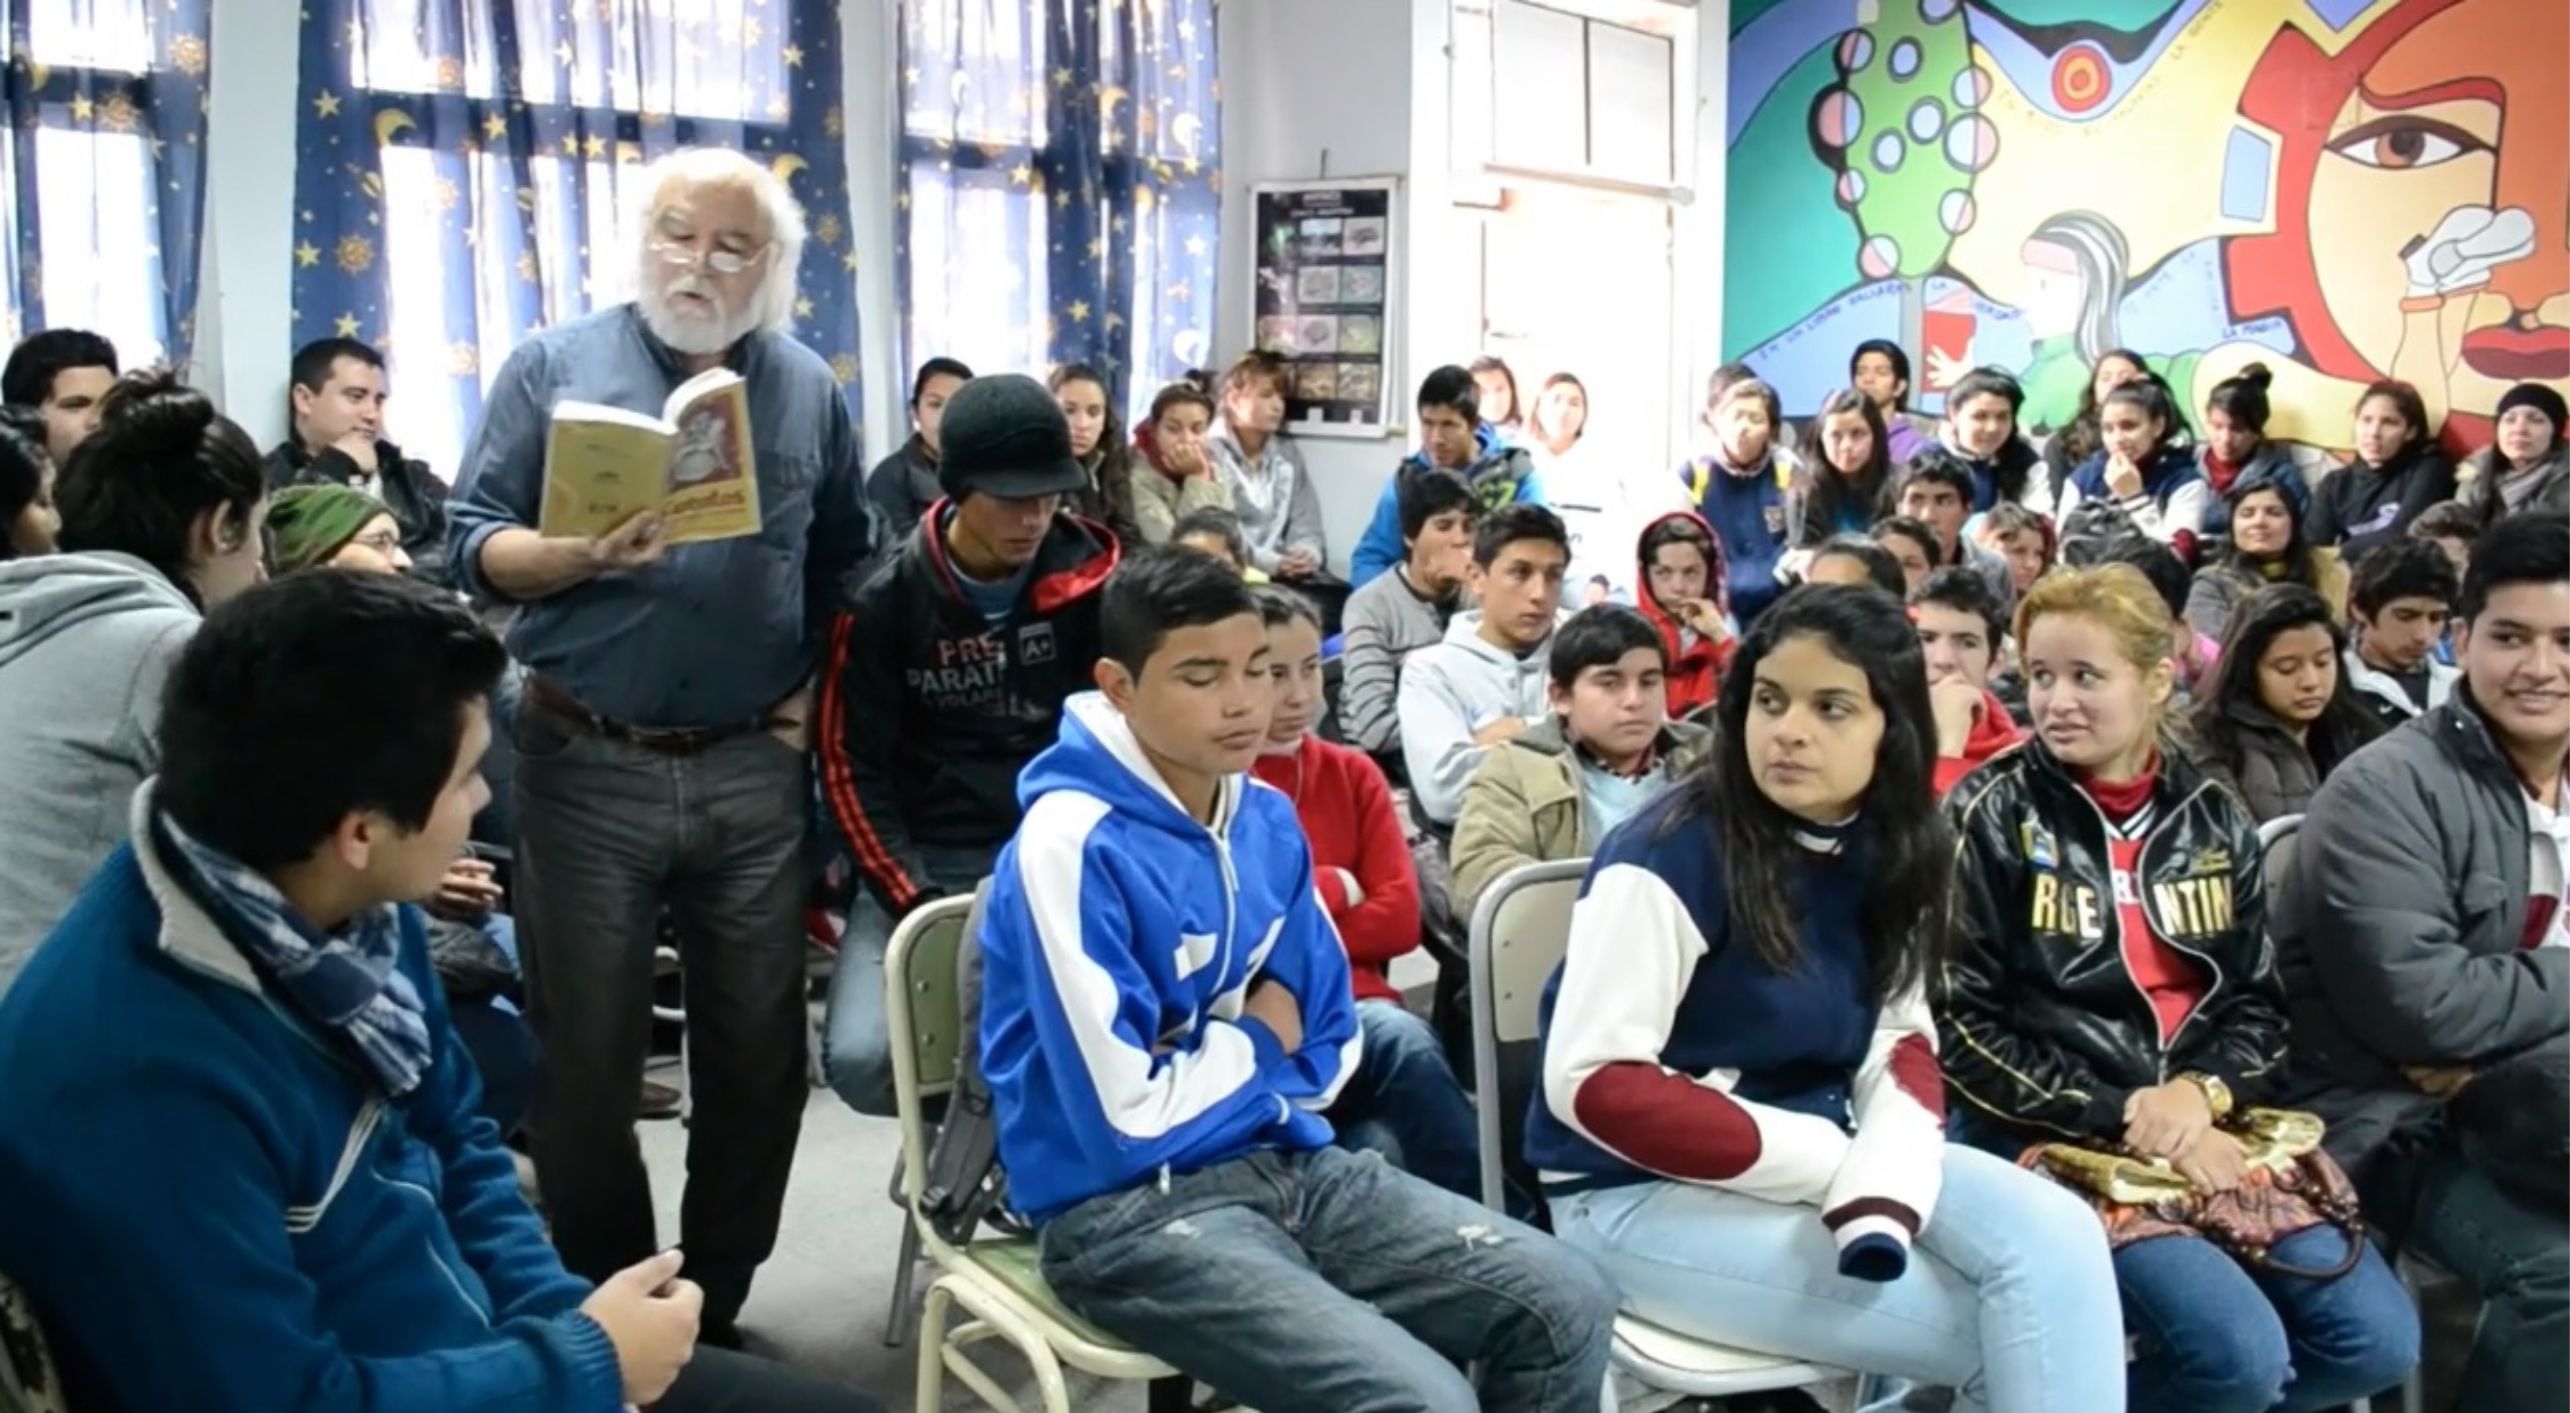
[604, 465]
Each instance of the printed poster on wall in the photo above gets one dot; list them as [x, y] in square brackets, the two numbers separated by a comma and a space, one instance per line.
[1323, 272]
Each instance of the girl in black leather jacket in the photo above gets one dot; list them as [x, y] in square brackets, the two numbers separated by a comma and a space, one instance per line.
[2112, 986]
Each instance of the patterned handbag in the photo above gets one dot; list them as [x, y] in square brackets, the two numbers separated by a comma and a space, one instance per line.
[2288, 1186]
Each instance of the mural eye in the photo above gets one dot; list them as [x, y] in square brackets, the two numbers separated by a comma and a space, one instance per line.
[2402, 144]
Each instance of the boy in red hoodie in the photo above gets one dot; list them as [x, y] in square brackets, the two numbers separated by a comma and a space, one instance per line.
[1404, 1100]
[1960, 625]
[1685, 595]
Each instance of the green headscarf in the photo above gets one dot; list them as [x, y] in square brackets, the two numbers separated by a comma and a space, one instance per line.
[308, 524]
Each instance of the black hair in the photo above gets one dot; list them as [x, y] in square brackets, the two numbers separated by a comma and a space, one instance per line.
[1215, 521]
[2344, 724]
[2242, 397]
[1965, 591]
[1452, 386]
[2151, 397]
[1909, 854]
[1938, 464]
[1880, 567]
[1490, 364]
[2404, 568]
[2445, 520]
[1892, 354]
[2412, 407]
[1600, 636]
[23, 464]
[161, 457]
[1677, 528]
[314, 361]
[939, 368]
[28, 380]
[1423, 495]
[315, 697]
[2300, 566]
[2159, 564]
[1831, 492]
[2016, 459]
[1278, 606]
[1184, 392]
[1911, 528]
[2525, 548]
[1510, 523]
[1158, 590]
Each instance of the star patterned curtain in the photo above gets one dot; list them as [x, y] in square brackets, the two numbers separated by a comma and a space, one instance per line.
[464, 168]
[1060, 194]
[103, 177]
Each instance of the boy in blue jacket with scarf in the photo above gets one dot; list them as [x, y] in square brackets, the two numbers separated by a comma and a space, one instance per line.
[1166, 1010]
[245, 1162]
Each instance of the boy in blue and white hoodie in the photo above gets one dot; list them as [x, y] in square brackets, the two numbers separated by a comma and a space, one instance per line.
[1453, 436]
[1166, 1010]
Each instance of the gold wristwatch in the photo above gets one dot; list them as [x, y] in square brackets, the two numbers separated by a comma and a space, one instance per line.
[2217, 1095]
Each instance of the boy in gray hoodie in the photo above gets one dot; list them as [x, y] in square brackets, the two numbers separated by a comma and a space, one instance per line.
[1485, 682]
[161, 513]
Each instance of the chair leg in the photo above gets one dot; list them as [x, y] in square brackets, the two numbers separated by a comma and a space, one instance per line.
[931, 1387]
[897, 1320]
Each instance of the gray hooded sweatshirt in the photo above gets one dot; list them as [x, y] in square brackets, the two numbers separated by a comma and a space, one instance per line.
[86, 642]
[1453, 689]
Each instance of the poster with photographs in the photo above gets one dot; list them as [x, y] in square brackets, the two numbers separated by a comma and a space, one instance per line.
[1322, 269]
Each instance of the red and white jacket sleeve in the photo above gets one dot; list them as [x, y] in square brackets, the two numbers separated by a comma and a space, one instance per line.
[1633, 950]
[1888, 1184]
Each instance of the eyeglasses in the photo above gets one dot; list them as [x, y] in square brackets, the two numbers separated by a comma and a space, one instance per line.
[382, 542]
[722, 262]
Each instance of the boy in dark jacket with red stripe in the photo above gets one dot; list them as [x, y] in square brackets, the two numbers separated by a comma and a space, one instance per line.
[947, 674]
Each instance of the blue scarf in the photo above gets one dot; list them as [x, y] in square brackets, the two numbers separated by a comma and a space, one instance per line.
[346, 982]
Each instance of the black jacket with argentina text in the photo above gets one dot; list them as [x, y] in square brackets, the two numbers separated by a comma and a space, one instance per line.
[2046, 1030]
[928, 710]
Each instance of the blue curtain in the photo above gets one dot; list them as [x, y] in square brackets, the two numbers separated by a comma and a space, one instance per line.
[1061, 194]
[104, 169]
[462, 167]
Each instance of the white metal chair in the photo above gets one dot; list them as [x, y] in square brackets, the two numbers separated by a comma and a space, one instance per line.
[997, 1281]
[1519, 930]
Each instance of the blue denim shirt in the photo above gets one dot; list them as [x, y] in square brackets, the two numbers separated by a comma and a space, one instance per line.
[717, 632]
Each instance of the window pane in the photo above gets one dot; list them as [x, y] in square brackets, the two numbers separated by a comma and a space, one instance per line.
[720, 59]
[420, 416]
[975, 70]
[425, 46]
[978, 284]
[91, 34]
[98, 212]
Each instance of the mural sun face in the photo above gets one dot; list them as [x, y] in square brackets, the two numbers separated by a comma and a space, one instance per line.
[2386, 180]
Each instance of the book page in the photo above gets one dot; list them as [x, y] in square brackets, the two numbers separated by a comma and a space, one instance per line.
[602, 467]
[713, 475]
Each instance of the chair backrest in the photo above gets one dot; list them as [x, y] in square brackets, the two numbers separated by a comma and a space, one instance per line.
[2279, 838]
[1519, 930]
[923, 1020]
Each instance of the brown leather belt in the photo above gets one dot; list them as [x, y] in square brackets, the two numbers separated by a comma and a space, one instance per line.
[668, 741]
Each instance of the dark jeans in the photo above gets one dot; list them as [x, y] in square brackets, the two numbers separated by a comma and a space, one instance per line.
[2215, 1337]
[1405, 1103]
[856, 1046]
[2512, 1253]
[609, 836]
[720, 1381]
[1331, 1282]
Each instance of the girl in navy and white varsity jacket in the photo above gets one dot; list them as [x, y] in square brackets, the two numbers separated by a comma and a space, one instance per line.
[1742, 1114]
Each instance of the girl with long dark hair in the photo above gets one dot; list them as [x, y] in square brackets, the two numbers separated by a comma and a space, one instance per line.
[2267, 546]
[1847, 464]
[2113, 988]
[2143, 464]
[1175, 475]
[1097, 439]
[1981, 427]
[2235, 451]
[2078, 439]
[2279, 716]
[2397, 473]
[1738, 1056]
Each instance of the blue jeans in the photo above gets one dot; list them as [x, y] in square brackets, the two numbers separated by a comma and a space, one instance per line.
[2513, 1254]
[856, 1044]
[1332, 1282]
[2213, 1337]
[1405, 1103]
[2009, 1297]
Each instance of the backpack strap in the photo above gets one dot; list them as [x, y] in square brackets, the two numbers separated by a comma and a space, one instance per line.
[964, 1185]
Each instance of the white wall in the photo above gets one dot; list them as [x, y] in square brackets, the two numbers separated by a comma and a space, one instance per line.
[1312, 89]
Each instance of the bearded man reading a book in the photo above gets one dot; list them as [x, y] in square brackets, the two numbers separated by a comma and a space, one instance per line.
[670, 646]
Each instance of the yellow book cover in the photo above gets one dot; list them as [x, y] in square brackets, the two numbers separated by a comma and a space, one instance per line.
[693, 464]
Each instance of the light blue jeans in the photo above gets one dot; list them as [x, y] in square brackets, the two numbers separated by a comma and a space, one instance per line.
[2009, 1297]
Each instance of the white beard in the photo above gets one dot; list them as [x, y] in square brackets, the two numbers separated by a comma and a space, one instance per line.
[685, 329]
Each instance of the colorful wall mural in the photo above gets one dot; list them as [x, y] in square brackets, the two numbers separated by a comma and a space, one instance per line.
[2342, 190]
